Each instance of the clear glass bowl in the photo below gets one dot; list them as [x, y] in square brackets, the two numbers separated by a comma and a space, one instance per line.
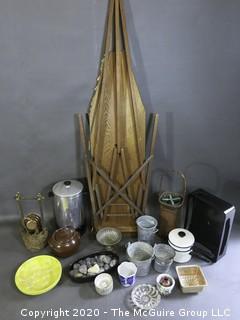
[145, 296]
[109, 236]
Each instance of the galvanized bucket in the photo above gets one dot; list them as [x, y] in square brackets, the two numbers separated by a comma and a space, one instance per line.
[147, 228]
[164, 255]
[141, 254]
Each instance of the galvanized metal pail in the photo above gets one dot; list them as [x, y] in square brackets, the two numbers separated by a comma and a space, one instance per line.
[141, 254]
[147, 228]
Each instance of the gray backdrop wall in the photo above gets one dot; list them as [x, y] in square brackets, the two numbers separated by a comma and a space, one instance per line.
[186, 56]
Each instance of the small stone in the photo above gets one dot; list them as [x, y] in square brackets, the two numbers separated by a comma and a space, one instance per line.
[75, 273]
[106, 267]
[105, 259]
[113, 263]
[101, 270]
[101, 257]
[83, 269]
[79, 275]
[94, 270]
[76, 266]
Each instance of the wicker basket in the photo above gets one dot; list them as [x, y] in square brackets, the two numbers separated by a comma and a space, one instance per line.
[170, 206]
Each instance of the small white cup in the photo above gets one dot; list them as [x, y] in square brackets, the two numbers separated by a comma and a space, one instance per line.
[103, 284]
[127, 273]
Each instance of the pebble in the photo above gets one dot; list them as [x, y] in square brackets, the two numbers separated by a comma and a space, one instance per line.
[94, 270]
[76, 274]
[79, 275]
[113, 263]
[83, 269]
[105, 259]
[106, 267]
[92, 266]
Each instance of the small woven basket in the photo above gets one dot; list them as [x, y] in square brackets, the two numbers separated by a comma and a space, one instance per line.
[170, 206]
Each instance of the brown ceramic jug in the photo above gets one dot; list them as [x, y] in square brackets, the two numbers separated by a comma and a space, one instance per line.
[64, 242]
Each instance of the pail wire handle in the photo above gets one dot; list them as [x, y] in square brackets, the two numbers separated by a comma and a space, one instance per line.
[181, 176]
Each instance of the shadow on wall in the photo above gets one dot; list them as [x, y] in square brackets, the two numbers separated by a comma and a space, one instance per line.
[139, 70]
[203, 175]
[165, 158]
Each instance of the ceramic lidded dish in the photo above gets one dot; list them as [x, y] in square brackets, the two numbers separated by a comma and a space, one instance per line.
[64, 242]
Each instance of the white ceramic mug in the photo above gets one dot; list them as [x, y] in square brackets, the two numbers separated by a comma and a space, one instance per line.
[127, 273]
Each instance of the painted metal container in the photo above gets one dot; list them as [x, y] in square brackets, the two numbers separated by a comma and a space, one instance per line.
[182, 241]
[68, 204]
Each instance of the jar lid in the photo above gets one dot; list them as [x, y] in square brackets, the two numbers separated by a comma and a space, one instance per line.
[67, 188]
[181, 238]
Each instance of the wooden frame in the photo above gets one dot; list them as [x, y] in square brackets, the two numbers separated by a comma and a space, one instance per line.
[100, 217]
[118, 171]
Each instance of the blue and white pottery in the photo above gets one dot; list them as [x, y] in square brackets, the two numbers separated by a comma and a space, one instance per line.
[127, 273]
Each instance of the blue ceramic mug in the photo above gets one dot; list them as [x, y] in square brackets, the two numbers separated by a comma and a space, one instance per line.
[127, 273]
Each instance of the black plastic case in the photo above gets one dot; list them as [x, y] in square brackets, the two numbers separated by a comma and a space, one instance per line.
[210, 220]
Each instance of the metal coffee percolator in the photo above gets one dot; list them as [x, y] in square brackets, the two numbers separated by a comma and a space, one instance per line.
[68, 204]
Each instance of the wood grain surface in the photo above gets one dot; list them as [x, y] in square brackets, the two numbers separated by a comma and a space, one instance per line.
[117, 124]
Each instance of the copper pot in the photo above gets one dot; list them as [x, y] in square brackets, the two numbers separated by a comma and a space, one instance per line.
[64, 242]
